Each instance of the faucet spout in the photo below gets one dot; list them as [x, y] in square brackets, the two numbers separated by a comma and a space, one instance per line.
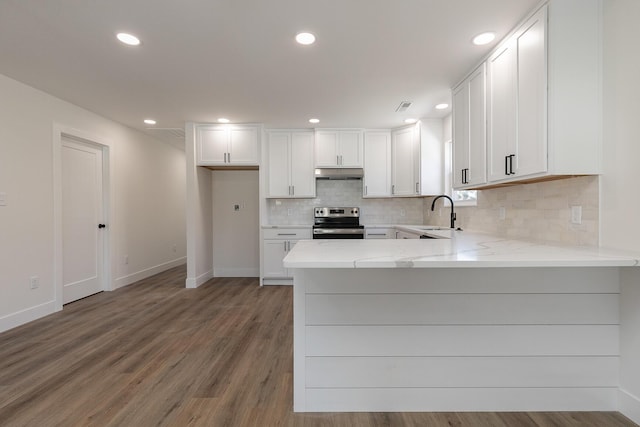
[453, 214]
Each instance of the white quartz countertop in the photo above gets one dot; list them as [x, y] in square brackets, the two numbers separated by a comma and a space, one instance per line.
[452, 249]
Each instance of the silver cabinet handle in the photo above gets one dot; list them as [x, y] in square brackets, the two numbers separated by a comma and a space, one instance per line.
[417, 188]
[285, 245]
[286, 234]
[393, 189]
[365, 190]
[229, 157]
[293, 190]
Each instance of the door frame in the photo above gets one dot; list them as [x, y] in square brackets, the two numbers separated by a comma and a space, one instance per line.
[60, 132]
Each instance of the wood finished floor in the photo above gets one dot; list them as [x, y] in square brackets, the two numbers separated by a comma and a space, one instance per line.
[157, 354]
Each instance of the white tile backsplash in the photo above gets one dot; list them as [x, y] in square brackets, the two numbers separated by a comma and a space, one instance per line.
[539, 211]
[346, 193]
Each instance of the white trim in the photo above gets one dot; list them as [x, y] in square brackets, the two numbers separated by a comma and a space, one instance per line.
[108, 206]
[197, 281]
[235, 272]
[147, 272]
[629, 405]
[27, 315]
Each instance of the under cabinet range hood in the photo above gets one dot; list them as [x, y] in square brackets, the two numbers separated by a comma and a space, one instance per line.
[339, 173]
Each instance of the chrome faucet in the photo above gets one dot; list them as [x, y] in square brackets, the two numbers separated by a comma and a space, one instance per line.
[453, 215]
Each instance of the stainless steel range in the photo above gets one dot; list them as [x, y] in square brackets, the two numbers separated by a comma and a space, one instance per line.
[337, 223]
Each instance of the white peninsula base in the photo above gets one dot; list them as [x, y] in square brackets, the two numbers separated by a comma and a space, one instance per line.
[456, 339]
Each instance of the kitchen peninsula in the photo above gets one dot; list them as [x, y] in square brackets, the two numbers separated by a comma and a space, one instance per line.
[461, 322]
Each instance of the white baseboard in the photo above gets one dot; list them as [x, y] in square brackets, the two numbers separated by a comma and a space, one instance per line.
[629, 406]
[143, 274]
[278, 282]
[235, 272]
[27, 315]
[194, 282]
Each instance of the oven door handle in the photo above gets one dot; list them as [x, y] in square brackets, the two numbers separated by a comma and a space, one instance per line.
[338, 231]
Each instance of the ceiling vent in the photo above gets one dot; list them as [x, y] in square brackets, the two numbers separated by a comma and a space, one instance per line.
[404, 105]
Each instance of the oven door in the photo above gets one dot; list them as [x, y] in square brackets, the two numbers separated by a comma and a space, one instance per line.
[338, 233]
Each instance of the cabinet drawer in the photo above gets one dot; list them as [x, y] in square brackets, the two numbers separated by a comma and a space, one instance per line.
[287, 233]
[379, 233]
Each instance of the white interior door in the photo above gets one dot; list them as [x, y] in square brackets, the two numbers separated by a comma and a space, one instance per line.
[82, 213]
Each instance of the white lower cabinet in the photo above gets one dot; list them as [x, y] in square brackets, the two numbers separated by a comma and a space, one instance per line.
[406, 235]
[276, 244]
[379, 233]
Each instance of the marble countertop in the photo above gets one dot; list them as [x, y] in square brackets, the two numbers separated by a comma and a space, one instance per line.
[450, 249]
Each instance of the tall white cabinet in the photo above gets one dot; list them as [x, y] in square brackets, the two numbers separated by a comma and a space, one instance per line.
[517, 103]
[405, 167]
[469, 130]
[290, 164]
[377, 164]
[543, 101]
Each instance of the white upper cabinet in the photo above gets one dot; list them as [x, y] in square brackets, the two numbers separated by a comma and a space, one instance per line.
[469, 130]
[544, 85]
[517, 103]
[227, 145]
[405, 168]
[377, 164]
[290, 164]
[339, 148]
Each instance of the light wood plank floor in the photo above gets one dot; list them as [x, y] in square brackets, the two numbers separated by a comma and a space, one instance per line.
[157, 354]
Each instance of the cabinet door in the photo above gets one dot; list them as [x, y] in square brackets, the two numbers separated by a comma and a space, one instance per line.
[350, 149]
[273, 253]
[212, 143]
[460, 134]
[326, 148]
[303, 181]
[243, 146]
[531, 149]
[278, 177]
[477, 169]
[377, 164]
[502, 111]
[403, 155]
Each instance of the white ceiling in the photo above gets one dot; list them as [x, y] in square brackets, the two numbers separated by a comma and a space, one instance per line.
[204, 59]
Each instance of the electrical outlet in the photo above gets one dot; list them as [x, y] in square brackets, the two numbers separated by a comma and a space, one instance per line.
[236, 208]
[34, 282]
[576, 214]
[289, 211]
[502, 213]
[126, 259]
[175, 248]
[402, 212]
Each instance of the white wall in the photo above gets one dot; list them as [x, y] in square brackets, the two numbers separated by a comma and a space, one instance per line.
[147, 188]
[236, 234]
[199, 216]
[619, 201]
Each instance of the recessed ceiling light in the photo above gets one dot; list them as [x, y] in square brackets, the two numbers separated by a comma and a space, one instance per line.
[484, 38]
[410, 120]
[223, 120]
[150, 121]
[305, 38]
[442, 106]
[128, 39]
[314, 121]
